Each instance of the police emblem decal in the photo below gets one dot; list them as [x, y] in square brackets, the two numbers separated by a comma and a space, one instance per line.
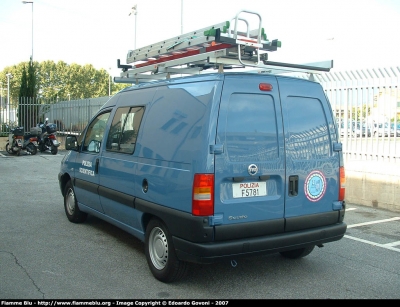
[315, 186]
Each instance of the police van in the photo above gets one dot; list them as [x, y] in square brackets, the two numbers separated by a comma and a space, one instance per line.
[209, 167]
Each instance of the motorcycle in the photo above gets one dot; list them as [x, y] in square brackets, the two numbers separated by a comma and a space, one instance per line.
[18, 141]
[47, 139]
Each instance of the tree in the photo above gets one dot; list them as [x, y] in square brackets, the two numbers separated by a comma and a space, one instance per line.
[31, 86]
[23, 90]
[23, 93]
[60, 81]
[28, 105]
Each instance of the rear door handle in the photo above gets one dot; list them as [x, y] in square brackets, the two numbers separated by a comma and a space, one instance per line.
[293, 185]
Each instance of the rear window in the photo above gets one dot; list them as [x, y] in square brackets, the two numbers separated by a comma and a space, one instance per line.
[251, 127]
[307, 129]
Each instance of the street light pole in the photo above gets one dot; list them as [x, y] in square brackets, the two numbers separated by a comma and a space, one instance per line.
[31, 2]
[134, 12]
[9, 76]
[181, 16]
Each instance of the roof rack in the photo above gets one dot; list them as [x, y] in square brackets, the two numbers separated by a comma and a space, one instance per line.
[221, 46]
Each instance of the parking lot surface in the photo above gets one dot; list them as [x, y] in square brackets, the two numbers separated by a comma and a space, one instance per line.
[44, 256]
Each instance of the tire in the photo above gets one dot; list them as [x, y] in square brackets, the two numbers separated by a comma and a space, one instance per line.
[72, 211]
[9, 149]
[31, 149]
[54, 150]
[42, 148]
[160, 253]
[298, 253]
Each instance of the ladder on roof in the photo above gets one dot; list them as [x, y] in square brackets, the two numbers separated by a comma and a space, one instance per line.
[221, 46]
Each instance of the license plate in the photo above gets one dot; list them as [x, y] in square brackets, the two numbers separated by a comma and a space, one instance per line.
[249, 189]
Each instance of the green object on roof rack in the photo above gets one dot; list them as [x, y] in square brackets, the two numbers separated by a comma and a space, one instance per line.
[213, 31]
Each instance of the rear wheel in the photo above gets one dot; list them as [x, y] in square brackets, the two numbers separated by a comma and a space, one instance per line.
[9, 149]
[54, 150]
[72, 211]
[31, 149]
[160, 253]
[42, 147]
[298, 253]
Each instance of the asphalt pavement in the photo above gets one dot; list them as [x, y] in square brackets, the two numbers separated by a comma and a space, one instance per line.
[44, 256]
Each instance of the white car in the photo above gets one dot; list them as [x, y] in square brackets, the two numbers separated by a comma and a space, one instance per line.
[395, 130]
[383, 129]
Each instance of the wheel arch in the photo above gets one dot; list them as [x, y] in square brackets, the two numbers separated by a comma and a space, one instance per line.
[63, 182]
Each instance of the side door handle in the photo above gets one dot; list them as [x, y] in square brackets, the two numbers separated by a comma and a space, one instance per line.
[96, 167]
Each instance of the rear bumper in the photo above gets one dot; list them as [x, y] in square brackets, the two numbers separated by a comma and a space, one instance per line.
[217, 251]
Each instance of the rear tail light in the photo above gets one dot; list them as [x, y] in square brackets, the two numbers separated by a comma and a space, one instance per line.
[342, 184]
[52, 137]
[203, 195]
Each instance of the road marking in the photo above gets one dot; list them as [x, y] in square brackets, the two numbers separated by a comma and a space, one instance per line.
[393, 244]
[386, 246]
[374, 222]
[351, 209]
[389, 246]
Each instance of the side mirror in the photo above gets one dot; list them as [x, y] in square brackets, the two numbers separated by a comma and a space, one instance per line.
[71, 143]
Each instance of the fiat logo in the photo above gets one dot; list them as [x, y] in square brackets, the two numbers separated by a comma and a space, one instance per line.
[252, 169]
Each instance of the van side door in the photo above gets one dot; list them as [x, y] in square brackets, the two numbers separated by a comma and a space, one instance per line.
[86, 164]
[119, 163]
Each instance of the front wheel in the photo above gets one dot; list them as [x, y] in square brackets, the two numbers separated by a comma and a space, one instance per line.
[160, 253]
[54, 149]
[72, 211]
[298, 253]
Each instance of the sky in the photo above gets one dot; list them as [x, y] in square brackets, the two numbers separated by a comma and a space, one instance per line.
[355, 34]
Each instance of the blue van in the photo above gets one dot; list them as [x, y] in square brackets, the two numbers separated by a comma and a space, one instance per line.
[211, 168]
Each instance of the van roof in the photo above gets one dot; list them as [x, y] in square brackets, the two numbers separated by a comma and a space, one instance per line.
[206, 77]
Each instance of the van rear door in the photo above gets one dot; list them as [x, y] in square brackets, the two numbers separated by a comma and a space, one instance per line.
[249, 156]
[274, 157]
[312, 166]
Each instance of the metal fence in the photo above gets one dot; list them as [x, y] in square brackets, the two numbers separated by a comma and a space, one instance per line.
[70, 116]
[366, 104]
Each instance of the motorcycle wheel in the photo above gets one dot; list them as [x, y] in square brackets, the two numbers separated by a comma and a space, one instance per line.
[31, 149]
[42, 147]
[54, 150]
[9, 149]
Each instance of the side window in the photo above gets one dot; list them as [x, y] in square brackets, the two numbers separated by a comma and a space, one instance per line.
[124, 129]
[95, 133]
